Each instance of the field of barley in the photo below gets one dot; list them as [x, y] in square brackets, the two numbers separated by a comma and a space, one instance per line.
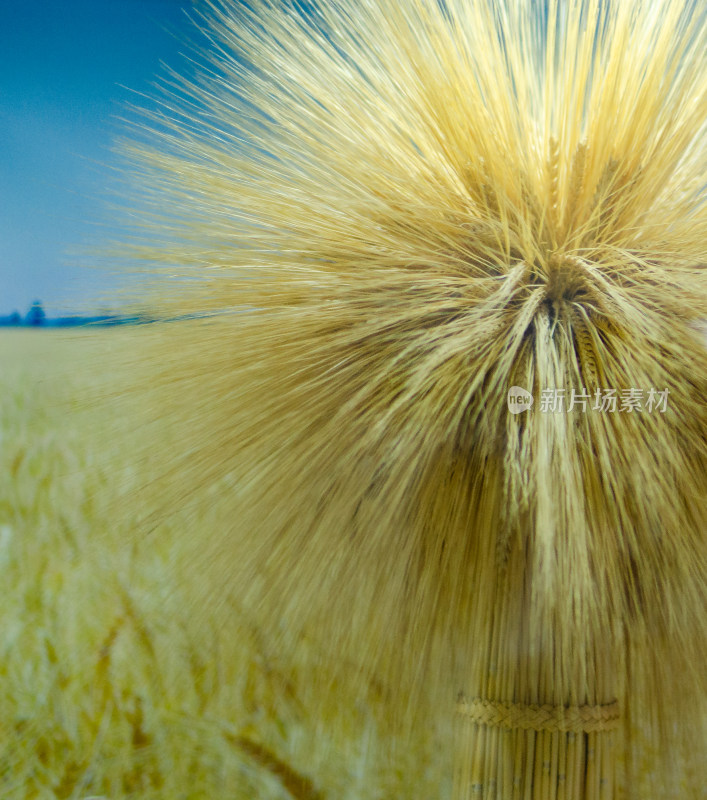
[114, 685]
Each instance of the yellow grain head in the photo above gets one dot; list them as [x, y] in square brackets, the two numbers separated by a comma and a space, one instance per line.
[373, 219]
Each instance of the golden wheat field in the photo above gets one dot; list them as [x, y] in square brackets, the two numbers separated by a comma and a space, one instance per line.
[112, 686]
[114, 682]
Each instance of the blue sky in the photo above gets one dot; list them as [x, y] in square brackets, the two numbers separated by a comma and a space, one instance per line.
[68, 70]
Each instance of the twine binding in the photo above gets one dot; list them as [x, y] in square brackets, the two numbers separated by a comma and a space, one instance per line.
[574, 719]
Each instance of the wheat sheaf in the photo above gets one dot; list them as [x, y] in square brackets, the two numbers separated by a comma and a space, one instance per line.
[374, 219]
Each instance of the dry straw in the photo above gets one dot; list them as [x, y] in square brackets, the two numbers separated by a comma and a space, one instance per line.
[378, 217]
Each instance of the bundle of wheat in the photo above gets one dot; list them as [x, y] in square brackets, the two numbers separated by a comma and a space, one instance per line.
[423, 215]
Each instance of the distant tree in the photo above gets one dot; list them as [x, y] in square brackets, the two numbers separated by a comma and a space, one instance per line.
[14, 318]
[35, 315]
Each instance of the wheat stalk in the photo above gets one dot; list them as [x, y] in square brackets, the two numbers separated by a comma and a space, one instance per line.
[414, 206]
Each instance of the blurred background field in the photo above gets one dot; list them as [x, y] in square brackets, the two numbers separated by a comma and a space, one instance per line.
[112, 685]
